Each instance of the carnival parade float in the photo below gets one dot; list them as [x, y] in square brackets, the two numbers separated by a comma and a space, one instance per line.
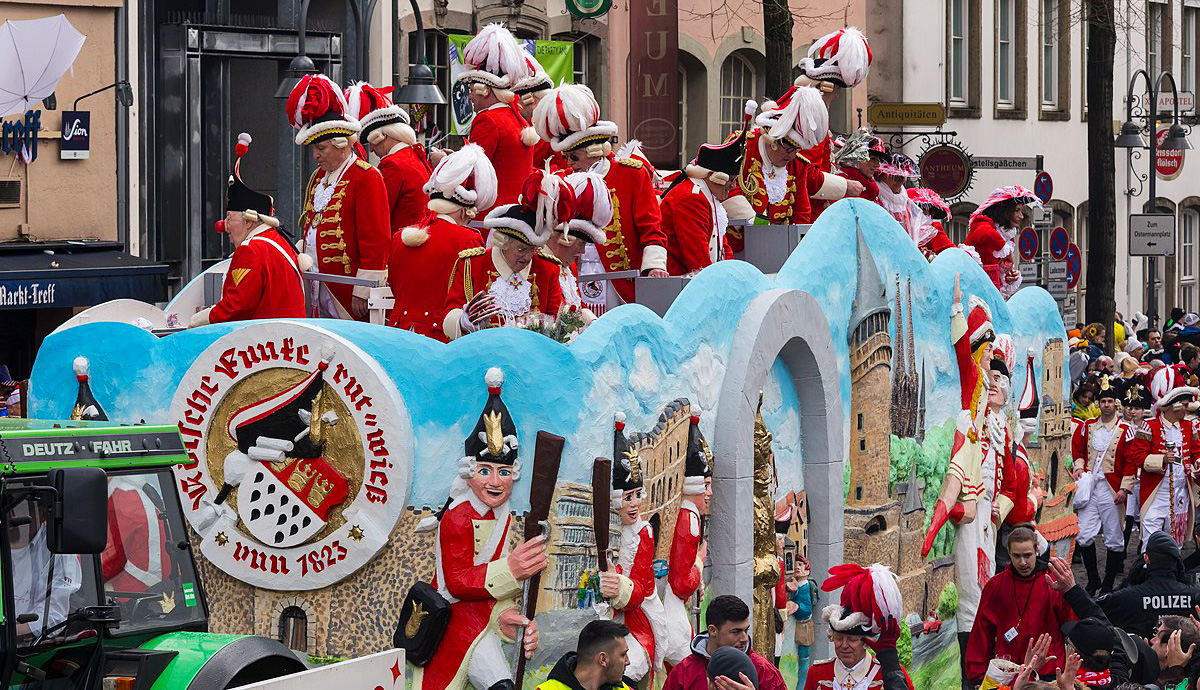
[334, 466]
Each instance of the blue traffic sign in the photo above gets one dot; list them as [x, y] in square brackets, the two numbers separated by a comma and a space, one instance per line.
[1059, 242]
[1029, 244]
[1074, 266]
[1043, 186]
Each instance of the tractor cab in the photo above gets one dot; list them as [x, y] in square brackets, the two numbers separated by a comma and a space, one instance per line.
[99, 582]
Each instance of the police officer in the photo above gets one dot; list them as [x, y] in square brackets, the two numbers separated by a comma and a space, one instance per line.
[1157, 589]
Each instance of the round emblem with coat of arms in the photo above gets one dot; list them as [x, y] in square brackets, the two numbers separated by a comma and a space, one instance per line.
[300, 453]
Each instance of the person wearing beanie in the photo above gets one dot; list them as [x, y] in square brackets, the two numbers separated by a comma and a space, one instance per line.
[501, 284]
[1100, 478]
[1156, 587]
[494, 64]
[1165, 453]
[692, 210]
[569, 119]
[598, 662]
[387, 129]
[728, 627]
[773, 182]
[867, 616]
[345, 225]
[264, 277]
[857, 158]
[423, 255]
[1017, 605]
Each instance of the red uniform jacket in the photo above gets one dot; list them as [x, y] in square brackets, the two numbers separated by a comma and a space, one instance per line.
[420, 273]
[355, 231]
[995, 250]
[543, 153]
[814, 174]
[498, 131]
[692, 672]
[405, 172]
[1008, 601]
[683, 572]
[636, 239]
[1127, 445]
[473, 590]
[820, 675]
[641, 576]
[137, 556]
[870, 186]
[1015, 488]
[1149, 441]
[690, 221]
[1114, 471]
[476, 269]
[263, 281]
[794, 208]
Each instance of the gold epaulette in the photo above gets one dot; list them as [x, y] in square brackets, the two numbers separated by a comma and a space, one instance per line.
[362, 164]
[548, 256]
[822, 661]
[473, 251]
[631, 162]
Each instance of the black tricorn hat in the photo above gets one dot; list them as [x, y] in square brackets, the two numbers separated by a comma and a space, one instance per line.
[626, 467]
[280, 417]
[238, 196]
[697, 463]
[494, 438]
[1134, 394]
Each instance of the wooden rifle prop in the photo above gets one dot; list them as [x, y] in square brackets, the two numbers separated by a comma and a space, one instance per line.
[601, 506]
[700, 590]
[547, 454]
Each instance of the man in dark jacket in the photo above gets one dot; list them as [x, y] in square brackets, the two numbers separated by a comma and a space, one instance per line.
[1158, 589]
[598, 662]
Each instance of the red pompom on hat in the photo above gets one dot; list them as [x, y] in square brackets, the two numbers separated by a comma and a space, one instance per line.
[374, 111]
[317, 109]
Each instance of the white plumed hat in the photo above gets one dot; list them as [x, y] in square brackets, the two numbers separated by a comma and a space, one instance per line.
[569, 117]
[493, 57]
[842, 57]
[465, 177]
[593, 208]
[800, 116]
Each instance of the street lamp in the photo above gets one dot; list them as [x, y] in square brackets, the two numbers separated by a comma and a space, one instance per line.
[421, 88]
[1131, 138]
[124, 94]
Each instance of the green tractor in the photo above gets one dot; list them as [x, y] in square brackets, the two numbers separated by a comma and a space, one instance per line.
[98, 578]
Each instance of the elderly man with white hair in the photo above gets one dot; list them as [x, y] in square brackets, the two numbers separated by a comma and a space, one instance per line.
[387, 130]
[474, 569]
[344, 226]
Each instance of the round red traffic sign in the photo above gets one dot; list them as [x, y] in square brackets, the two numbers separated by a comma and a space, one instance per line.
[1168, 162]
[946, 169]
[1043, 187]
[1059, 243]
[1074, 266]
[1028, 244]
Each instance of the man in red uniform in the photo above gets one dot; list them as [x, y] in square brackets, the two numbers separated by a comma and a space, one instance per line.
[1167, 451]
[867, 615]
[263, 281]
[345, 225]
[502, 285]
[571, 238]
[835, 63]
[692, 212]
[685, 567]
[494, 64]
[773, 180]
[1017, 606]
[474, 569]
[423, 255]
[630, 587]
[387, 129]
[569, 118]
[530, 91]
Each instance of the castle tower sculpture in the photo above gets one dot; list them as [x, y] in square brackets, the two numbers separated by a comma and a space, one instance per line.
[870, 385]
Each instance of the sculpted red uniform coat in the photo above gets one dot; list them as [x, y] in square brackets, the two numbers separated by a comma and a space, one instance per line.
[419, 274]
[1017, 505]
[1081, 456]
[821, 675]
[355, 231]
[473, 575]
[405, 172]
[476, 270]
[1149, 441]
[683, 570]
[795, 206]
[498, 131]
[689, 217]
[638, 585]
[636, 239]
[263, 281]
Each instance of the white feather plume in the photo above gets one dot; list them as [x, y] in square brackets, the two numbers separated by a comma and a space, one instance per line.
[846, 52]
[590, 221]
[805, 115]
[354, 100]
[887, 593]
[496, 51]
[452, 172]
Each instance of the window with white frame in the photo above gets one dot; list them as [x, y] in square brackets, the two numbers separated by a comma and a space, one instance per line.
[1189, 32]
[957, 69]
[738, 78]
[1006, 53]
[1049, 45]
[1156, 14]
[1189, 226]
[958, 227]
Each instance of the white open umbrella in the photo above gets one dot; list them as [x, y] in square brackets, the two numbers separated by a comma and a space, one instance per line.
[34, 56]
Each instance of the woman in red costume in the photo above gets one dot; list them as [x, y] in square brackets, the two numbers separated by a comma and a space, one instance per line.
[993, 234]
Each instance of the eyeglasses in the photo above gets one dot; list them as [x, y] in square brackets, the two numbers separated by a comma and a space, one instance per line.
[789, 145]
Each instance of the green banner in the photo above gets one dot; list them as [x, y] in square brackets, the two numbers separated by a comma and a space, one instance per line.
[556, 57]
